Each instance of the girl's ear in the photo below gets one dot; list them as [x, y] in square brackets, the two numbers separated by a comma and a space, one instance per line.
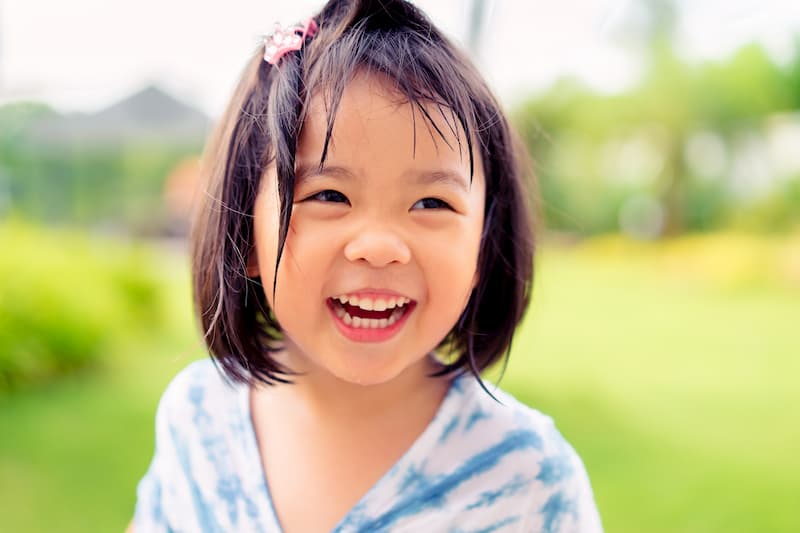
[252, 265]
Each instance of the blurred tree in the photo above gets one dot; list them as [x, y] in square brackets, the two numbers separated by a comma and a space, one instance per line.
[106, 168]
[672, 101]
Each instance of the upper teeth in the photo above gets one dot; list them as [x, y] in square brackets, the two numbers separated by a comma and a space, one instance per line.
[377, 304]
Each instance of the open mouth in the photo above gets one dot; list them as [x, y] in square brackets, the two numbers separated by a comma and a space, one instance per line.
[369, 313]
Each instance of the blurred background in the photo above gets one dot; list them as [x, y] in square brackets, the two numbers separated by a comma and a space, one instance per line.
[663, 335]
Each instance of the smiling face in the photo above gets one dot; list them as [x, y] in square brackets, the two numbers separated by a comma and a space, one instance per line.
[392, 223]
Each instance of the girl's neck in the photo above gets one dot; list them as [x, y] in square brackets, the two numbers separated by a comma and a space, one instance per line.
[323, 434]
[326, 397]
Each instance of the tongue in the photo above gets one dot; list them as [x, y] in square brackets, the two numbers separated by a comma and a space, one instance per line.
[354, 311]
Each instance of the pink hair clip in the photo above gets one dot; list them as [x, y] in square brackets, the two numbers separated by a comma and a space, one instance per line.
[284, 40]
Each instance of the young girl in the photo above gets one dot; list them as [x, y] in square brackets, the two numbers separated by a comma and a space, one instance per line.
[364, 251]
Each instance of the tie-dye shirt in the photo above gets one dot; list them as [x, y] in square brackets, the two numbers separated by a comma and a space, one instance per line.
[479, 466]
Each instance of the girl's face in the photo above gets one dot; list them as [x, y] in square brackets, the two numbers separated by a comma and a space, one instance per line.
[391, 217]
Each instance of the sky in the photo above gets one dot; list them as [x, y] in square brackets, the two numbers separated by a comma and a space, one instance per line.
[82, 55]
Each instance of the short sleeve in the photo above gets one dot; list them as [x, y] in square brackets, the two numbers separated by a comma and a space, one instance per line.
[568, 505]
[164, 495]
[149, 516]
[193, 482]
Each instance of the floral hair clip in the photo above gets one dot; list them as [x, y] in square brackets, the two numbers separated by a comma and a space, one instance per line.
[284, 40]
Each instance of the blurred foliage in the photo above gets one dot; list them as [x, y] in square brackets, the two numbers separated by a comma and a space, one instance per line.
[690, 147]
[89, 184]
[725, 261]
[64, 297]
[50, 176]
[775, 212]
[627, 161]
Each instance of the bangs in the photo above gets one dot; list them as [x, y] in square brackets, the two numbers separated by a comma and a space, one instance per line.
[416, 68]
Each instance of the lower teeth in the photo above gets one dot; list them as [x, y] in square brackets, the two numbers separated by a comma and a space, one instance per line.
[369, 323]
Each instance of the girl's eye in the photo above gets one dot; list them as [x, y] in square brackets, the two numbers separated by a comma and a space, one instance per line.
[329, 195]
[432, 203]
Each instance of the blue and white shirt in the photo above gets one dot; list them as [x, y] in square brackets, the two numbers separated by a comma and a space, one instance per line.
[479, 466]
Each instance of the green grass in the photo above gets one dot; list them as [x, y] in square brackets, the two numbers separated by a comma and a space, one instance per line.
[71, 452]
[680, 395]
[676, 386]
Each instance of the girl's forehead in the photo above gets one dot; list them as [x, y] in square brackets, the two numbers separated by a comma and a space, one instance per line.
[374, 118]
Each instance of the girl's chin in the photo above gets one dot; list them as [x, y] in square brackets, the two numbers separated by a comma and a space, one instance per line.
[368, 374]
[367, 368]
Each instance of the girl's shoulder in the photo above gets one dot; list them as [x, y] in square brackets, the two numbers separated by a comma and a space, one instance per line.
[197, 397]
[514, 456]
[202, 475]
[201, 375]
[478, 416]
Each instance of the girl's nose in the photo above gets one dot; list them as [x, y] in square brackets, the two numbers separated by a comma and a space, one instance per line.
[377, 246]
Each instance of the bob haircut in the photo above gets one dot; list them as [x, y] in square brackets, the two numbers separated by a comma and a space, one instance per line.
[260, 127]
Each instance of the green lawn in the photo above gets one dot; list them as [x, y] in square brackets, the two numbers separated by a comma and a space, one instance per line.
[680, 395]
[671, 375]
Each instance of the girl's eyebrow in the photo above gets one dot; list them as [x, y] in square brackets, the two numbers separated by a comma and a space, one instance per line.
[305, 172]
[455, 180]
[452, 179]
